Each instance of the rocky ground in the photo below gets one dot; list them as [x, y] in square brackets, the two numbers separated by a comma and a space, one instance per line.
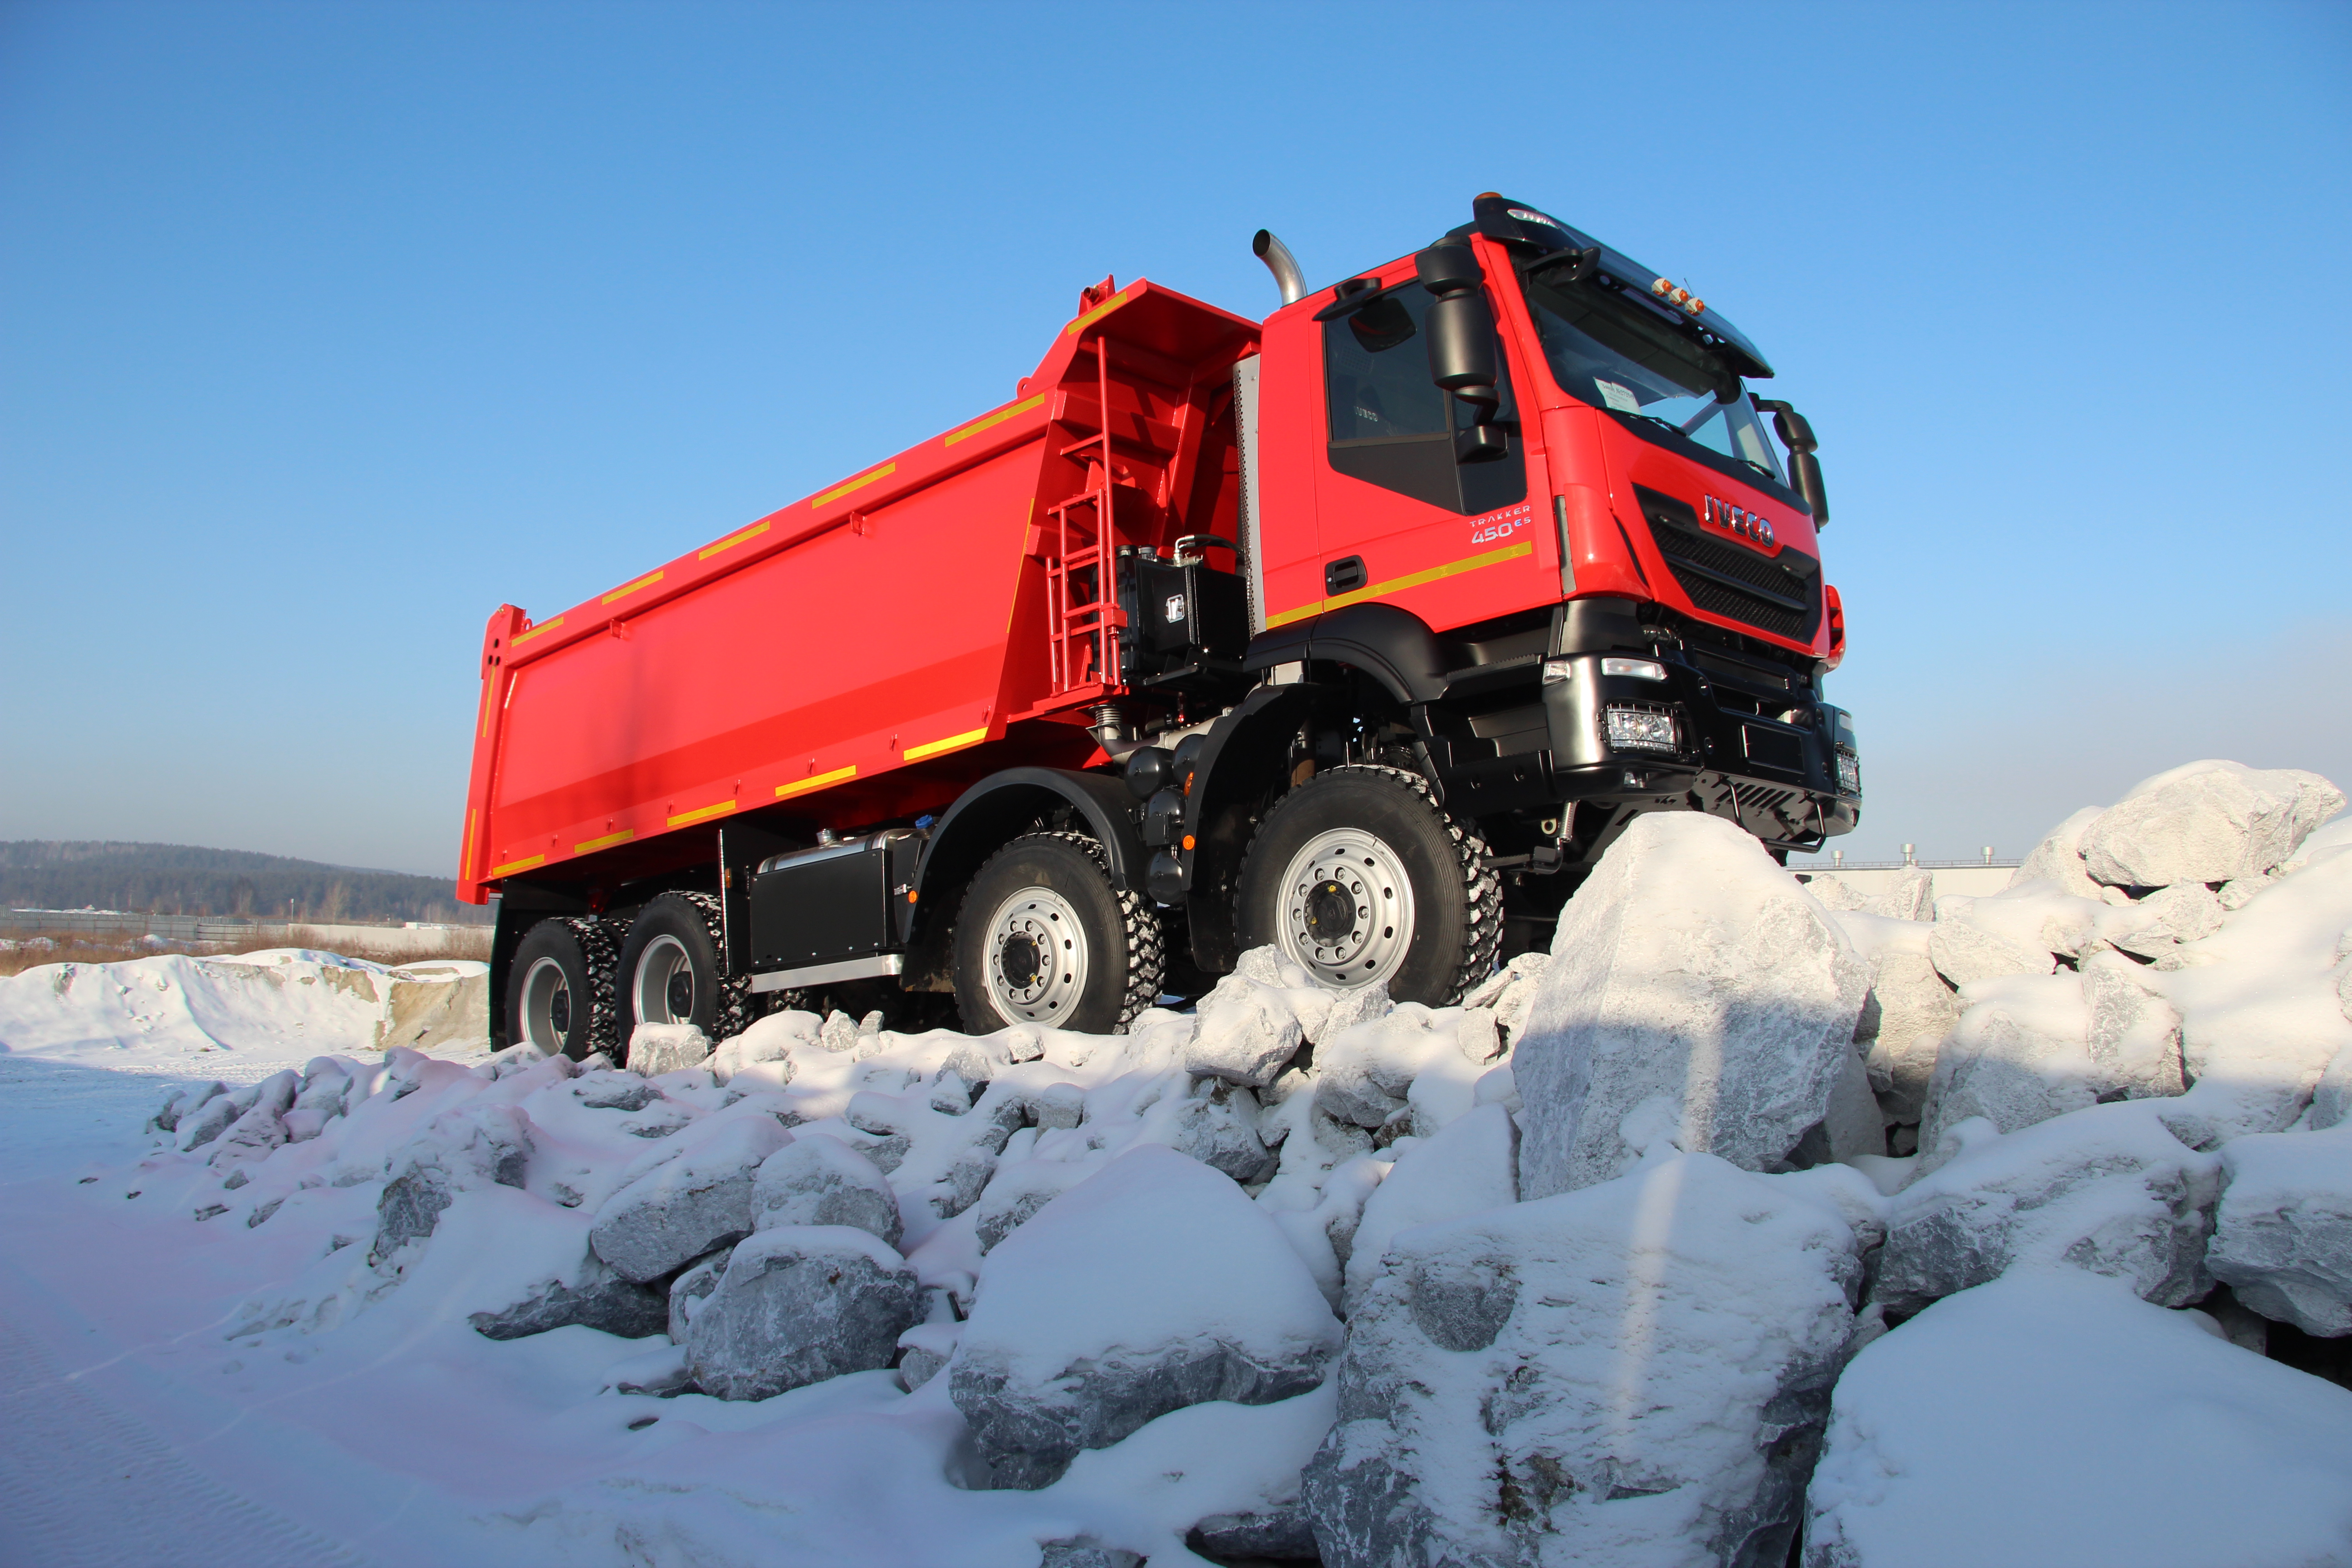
[1758, 1223]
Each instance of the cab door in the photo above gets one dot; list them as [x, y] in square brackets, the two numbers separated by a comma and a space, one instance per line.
[1399, 519]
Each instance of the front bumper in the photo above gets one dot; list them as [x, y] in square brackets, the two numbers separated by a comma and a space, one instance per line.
[1722, 740]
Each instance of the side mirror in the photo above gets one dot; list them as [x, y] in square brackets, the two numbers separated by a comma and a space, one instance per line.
[1804, 469]
[1461, 331]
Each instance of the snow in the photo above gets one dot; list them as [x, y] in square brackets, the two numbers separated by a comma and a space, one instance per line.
[268, 1384]
[2050, 1417]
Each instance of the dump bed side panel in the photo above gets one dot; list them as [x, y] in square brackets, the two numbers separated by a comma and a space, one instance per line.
[878, 642]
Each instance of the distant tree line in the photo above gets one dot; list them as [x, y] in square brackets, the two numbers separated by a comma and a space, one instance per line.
[179, 879]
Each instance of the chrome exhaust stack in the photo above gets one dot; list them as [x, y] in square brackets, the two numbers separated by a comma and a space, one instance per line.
[1282, 264]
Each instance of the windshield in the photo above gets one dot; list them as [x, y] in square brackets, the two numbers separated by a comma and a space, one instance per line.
[1614, 351]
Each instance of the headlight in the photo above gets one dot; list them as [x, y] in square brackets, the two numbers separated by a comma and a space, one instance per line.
[1849, 772]
[1641, 669]
[1631, 728]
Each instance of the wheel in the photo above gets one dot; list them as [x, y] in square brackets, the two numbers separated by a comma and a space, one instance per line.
[1044, 938]
[1358, 876]
[670, 971]
[551, 991]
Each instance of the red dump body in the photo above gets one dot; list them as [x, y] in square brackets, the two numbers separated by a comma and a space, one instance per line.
[867, 652]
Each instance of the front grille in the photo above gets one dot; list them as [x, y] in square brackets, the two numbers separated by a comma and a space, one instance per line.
[1777, 594]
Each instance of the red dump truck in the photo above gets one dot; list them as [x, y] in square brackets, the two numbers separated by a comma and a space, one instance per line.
[1363, 630]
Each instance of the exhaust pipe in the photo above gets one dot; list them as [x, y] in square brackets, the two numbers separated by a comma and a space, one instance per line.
[1282, 264]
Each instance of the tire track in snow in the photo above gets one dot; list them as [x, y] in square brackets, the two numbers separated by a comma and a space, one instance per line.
[83, 1486]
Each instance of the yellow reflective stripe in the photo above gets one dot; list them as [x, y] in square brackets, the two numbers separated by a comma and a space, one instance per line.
[998, 417]
[699, 812]
[1099, 311]
[1398, 584]
[859, 483]
[647, 580]
[466, 856]
[732, 539]
[523, 637]
[511, 867]
[933, 748]
[607, 842]
[488, 686]
[819, 782]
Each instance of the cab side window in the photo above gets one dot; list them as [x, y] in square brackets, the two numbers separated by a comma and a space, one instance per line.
[1392, 425]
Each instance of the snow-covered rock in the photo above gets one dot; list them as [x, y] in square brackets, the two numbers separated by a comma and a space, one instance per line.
[2048, 1417]
[1635, 1371]
[799, 1304]
[1962, 951]
[817, 1180]
[462, 1150]
[592, 1296]
[1365, 1073]
[2206, 822]
[697, 1199]
[691, 1287]
[2107, 1190]
[2020, 1053]
[2187, 911]
[658, 1049]
[1509, 992]
[1909, 1011]
[1248, 1032]
[1688, 968]
[1468, 1167]
[262, 1126]
[925, 1350]
[2134, 1034]
[2058, 858]
[2331, 1097]
[2282, 1239]
[1013, 1198]
[1154, 1285]
[1217, 1125]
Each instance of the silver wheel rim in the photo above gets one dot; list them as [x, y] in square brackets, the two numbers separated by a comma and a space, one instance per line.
[1346, 909]
[1037, 960]
[664, 982]
[548, 1008]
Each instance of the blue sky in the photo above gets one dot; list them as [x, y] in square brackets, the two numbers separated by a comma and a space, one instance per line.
[325, 329]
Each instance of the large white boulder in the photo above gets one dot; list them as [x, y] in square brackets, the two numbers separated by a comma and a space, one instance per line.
[690, 1204]
[2135, 1032]
[1152, 1285]
[2058, 858]
[2206, 822]
[2020, 1053]
[2107, 1190]
[1636, 1372]
[658, 1049]
[1963, 951]
[2260, 1016]
[2282, 1239]
[1905, 1013]
[1689, 968]
[817, 1180]
[799, 1304]
[1467, 1167]
[2048, 1417]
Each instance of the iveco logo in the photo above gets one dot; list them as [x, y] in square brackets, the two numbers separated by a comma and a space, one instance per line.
[1746, 524]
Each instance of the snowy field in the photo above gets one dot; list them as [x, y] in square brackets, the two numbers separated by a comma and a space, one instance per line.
[1760, 1224]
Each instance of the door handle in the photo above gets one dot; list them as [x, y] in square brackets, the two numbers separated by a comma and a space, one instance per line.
[1344, 576]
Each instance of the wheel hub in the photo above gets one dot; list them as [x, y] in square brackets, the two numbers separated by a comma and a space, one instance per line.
[1347, 908]
[1037, 958]
[547, 1007]
[664, 983]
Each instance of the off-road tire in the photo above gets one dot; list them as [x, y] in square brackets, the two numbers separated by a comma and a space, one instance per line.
[722, 1005]
[1457, 899]
[1127, 957]
[561, 954]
